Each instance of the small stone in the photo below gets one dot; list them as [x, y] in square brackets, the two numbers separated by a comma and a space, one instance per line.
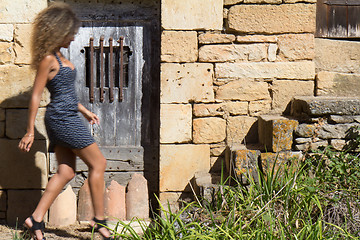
[115, 206]
[217, 149]
[209, 130]
[137, 198]
[338, 144]
[6, 32]
[232, 2]
[311, 146]
[272, 52]
[85, 207]
[305, 130]
[209, 38]
[329, 131]
[305, 140]
[63, 210]
[341, 119]
[256, 39]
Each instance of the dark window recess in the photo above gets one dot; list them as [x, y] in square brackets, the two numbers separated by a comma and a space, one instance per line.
[106, 74]
[338, 18]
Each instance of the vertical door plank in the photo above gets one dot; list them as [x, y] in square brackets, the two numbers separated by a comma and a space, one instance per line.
[354, 21]
[337, 21]
[321, 19]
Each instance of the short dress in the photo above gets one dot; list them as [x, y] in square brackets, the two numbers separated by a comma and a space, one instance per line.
[63, 123]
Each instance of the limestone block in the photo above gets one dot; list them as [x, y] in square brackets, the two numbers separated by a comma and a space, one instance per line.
[6, 52]
[115, 206]
[268, 160]
[232, 52]
[236, 108]
[2, 114]
[306, 130]
[281, 70]
[137, 198]
[22, 43]
[320, 106]
[244, 90]
[175, 123]
[3, 201]
[240, 127]
[16, 122]
[294, 47]
[220, 109]
[272, 52]
[2, 129]
[85, 208]
[263, 1]
[337, 56]
[192, 14]
[209, 130]
[338, 144]
[20, 11]
[329, 131]
[260, 107]
[232, 2]
[276, 132]
[23, 170]
[256, 39]
[179, 46]
[6, 32]
[284, 90]
[341, 119]
[63, 210]
[189, 82]
[210, 38]
[246, 164]
[21, 204]
[337, 84]
[187, 158]
[285, 18]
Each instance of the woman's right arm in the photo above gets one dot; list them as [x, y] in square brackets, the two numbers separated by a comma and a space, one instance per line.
[41, 79]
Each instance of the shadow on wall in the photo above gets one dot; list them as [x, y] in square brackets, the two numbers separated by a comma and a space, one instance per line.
[23, 176]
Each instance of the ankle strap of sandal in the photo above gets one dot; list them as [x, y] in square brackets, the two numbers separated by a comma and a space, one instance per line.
[37, 225]
[99, 223]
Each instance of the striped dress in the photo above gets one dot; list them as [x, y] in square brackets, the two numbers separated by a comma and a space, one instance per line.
[63, 123]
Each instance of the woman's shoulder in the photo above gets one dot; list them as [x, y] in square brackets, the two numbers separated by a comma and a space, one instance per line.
[48, 61]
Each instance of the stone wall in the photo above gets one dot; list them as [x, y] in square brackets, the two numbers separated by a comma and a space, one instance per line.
[247, 59]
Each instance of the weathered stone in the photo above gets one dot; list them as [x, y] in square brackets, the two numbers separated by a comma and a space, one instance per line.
[285, 18]
[338, 144]
[20, 11]
[170, 200]
[232, 52]
[256, 39]
[217, 149]
[245, 90]
[272, 52]
[294, 47]
[192, 14]
[240, 129]
[16, 123]
[337, 84]
[183, 83]
[22, 43]
[341, 119]
[284, 90]
[3, 201]
[328, 131]
[246, 164]
[2, 129]
[262, 1]
[269, 159]
[281, 70]
[6, 52]
[311, 146]
[137, 198]
[225, 13]
[220, 109]
[260, 107]
[306, 130]
[115, 206]
[276, 132]
[304, 140]
[63, 210]
[122, 178]
[179, 46]
[85, 208]
[21, 204]
[23, 170]
[175, 123]
[209, 38]
[337, 55]
[236, 108]
[319, 106]
[209, 130]
[188, 158]
[296, 1]
[232, 2]
[6, 32]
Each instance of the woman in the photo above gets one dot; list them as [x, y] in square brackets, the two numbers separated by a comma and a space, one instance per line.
[54, 28]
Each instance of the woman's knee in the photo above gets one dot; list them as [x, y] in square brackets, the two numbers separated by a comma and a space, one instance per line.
[66, 173]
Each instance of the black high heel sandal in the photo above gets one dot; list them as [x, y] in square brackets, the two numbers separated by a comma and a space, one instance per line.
[35, 226]
[101, 224]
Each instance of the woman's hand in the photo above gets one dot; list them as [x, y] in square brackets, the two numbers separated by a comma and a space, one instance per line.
[91, 117]
[26, 142]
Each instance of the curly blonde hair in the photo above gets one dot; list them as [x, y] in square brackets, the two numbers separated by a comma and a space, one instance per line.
[50, 29]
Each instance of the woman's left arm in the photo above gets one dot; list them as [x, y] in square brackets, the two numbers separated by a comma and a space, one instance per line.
[90, 116]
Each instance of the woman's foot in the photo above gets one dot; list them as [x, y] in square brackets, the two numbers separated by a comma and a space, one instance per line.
[36, 228]
[101, 226]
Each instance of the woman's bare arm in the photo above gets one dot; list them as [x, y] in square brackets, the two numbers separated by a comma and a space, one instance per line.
[90, 116]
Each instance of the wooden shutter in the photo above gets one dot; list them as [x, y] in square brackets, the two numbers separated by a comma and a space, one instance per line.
[338, 19]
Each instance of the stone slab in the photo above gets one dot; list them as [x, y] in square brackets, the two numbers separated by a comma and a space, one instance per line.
[20, 11]
[220, 109]
[256, 39]
[260, 107]
[244, 90]
[241, 129]
[246, 164]
[268, 160]
[6, 32]
[175, 123]
[330, 131]
[22, 43]
[304, 70]
[189, 82]
[137, 198]
[23, 170]
[293, 47]
[115, 207]
[209, 130]
[319, 106]
[210, 38]
[337, 84]
[341, 119]
[189, 158]
[192, 14]
[306, 130]
[179, 46]
[63, 210]
[85, 211]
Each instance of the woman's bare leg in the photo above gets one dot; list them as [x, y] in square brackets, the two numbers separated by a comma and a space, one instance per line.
[66, 171]
[96, 162]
